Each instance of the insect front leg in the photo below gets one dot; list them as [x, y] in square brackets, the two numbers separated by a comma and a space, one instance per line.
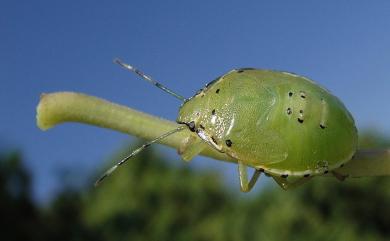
[246, 185]
[285, 184]
[190, 147]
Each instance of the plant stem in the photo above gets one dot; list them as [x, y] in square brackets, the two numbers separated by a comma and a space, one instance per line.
[63, 107]
[60, 107]
[368, 163]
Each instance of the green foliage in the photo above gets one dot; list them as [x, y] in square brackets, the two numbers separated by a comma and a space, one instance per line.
[22, 219]
[17, 212]
[373, 139]
[149, 199]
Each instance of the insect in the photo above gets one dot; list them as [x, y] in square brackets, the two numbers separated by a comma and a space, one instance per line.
[279, 123]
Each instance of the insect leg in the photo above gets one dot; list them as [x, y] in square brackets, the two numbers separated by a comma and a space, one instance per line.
[285, 184]
[191, 147]
[246, 185]
[339, 176]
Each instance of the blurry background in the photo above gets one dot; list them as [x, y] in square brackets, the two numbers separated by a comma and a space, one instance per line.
[46, 177]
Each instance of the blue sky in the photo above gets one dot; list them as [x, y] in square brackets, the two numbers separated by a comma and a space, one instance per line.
[48, 46]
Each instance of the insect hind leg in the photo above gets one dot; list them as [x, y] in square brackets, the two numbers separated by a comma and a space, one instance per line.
[339, 176]
[246, 185]
[285, 184]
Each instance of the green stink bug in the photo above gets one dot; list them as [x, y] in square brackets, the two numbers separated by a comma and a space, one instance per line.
[279, 123]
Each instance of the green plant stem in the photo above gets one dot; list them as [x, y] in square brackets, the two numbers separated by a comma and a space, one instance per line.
[368, 163]
[63, 107]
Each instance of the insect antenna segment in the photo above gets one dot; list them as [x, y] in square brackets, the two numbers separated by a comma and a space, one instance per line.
[149, 79]
[135, 152]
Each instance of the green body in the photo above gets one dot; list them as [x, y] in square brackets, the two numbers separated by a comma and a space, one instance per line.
[274, 121]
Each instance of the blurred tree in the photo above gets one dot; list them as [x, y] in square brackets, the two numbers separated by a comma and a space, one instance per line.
[323, 209]
[19, 218]
[149, 199]
[63, 220]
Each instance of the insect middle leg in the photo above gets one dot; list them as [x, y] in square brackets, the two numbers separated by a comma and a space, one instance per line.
[285, 184]
[246, 185]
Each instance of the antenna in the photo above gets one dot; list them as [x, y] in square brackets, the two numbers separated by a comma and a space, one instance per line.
[136, 151]
[148, 78]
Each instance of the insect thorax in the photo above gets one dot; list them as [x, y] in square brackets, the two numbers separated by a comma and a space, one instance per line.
[231, 111]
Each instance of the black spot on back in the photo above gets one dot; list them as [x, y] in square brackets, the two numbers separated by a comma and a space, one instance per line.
[300, 120]
[198, 92]
[240, 70]
[217, 91]
[229, 143]
[212, 82]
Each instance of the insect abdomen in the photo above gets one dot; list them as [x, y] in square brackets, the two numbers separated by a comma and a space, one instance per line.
[319, 131]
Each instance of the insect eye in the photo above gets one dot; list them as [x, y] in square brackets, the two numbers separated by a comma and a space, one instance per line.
[191, 126]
